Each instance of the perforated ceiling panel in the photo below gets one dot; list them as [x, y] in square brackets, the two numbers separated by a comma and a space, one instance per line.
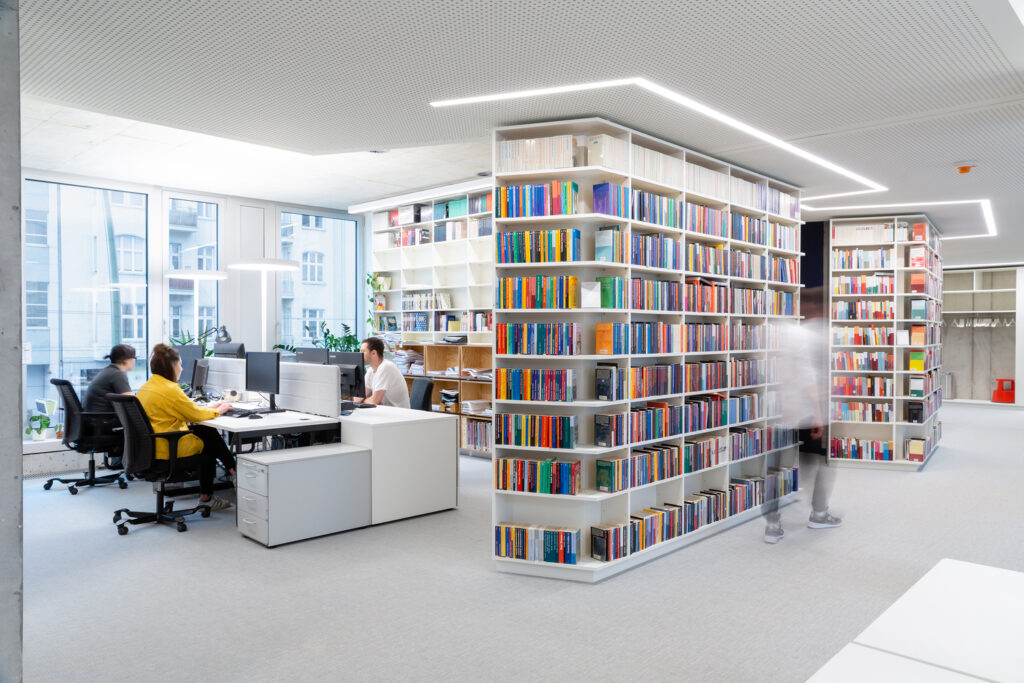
[326, 77]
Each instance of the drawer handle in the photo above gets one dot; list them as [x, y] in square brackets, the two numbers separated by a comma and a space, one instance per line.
[248, 498]
[248, 521]
[251, 475]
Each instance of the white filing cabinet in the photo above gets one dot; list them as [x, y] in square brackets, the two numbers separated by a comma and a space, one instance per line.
[297, 493]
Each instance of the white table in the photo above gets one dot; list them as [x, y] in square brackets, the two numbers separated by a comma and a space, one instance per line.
[284, 422]
[414, 457]
[857, 664]
[963, 618]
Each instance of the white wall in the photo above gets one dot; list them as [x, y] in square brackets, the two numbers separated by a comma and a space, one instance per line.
[248, 229]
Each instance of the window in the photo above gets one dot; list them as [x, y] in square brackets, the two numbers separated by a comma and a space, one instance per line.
[175, 321]
[312, 267]
[193, 245]
[85, 285]
[36, 304]
[311, 319]
[207, 318]
[206, 258]
[133, 322]
[36, 227]
[327, 249]
[131, 254]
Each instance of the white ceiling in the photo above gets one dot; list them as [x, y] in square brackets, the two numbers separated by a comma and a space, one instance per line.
[895, 91]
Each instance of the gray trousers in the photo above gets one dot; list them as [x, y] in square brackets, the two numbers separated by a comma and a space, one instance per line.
[813, 468]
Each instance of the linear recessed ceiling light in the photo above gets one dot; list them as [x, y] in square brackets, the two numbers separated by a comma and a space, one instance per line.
[986, 211]
[681, 100]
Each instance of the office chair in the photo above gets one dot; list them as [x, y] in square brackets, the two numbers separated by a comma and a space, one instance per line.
[88, 433]
[422, 392]
[140, 460]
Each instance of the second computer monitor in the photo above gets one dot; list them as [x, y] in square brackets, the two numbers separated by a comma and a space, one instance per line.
[312, 354]
[233, 350]
[189, 353]
[199, 377]
[263, 373]
[353, 372]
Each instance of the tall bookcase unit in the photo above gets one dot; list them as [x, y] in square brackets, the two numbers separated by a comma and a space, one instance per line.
[652, 338]
[982, 309]
[439, 259]
[885, 341]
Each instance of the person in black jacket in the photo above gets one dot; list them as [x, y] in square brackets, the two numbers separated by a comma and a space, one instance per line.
[112, 379]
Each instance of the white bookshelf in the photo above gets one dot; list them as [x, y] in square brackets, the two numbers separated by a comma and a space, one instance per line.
[982, 312]
[891, 236]
[590, 506]
[461, 267]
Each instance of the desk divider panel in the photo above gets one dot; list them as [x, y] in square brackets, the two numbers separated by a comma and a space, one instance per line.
[226, 373]
[309, 388]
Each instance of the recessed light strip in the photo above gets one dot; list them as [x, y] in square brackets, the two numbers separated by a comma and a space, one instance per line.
[681, 100]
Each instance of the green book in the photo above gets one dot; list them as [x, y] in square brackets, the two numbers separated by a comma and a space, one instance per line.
[605, 476]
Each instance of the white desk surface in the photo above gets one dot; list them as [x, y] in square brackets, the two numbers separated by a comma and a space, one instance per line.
[284, 421]
[857, 664]
[389, 415]
[297, 454]
[965, 617]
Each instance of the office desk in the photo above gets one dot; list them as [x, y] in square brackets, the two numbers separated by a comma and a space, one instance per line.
[271, 424]
[414, 459]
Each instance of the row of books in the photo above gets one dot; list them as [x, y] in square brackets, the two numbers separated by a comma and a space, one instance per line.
[872, 233]
[654, 208]
[643, 423]
[781, 269]
[753, 195]
[924, 309]
[653, 525]
[543, 339]
[655, 380]
[654, 337]
[641, 467]
[750, 301]
[425, 301]
[557, 198]
[657, 166]
[862, 258]
[612, 199]
[705, 258]
[860, 411]
[782, 203]
[476, 435]
[763, 232]
[706, 296]
[533, 154]
[533, 384]
[610, 244]
[924, 283]
[536, 543]
[863, 310]
[609, 382]
[707, 221]
[923, 360]
[746, 442]
[655, 251]
[746, 264]
[557, 477]
[559, 291]
[481, 203]
[546, 431]
[604, 292]
[706, 181]
[863, 284]
[781, 303]
[862, 335]
[781, 482]
[745, 493]
[877, 386]
[873, 361]
[416, 322]
[851, 448]
[655, 295]
[538, 246]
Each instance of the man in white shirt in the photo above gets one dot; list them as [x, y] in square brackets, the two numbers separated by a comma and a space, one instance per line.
[384, 382]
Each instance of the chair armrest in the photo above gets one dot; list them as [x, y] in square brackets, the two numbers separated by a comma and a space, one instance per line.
[172, 446]
[99, 415]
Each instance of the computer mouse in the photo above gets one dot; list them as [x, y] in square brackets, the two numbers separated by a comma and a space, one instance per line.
[255, 417]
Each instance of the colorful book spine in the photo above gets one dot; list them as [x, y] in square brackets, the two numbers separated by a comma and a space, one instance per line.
[707, 221]
[705, 258]
[655, 251]
[536, 543]
[613, 291]
[747, 229]
[780, 303]
[749, 301]
[656, 420]
[746, 372]
[538, 246]
[745, 493]
[522, 384]
[706, 337]
[706, 296]
[861, 449]
[863, 284]
[641, 467]
[706, 412]
[560, 291]
[545, 431]
[653, 525]
[859, 411]
[876, 386]
[611, 199]
[862, 335]
[706, 376]
[609, 542]
[861, 258]
[655, 380]
[747, 265]
[611, 339]
[610, 244]
[476, 435]
[537, 476]
[863, 310]
[701, 509]
[655, 295]
[611, 429]
[704, 453]
[876, 361]
[783, 269]
[538, 339]
[481, 203]
[655, 337]
[781, 482]
[557, 198]
[744, 337]
[782, 236]
[653, 208]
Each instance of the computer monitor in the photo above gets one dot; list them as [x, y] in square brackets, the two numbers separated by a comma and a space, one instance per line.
[189, 353]
[312, 354]
[353, 372]
[233, 350]
[200, 373]
[263, 373]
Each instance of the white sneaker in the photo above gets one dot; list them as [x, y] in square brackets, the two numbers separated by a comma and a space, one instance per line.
[773, 533]
[823, 521]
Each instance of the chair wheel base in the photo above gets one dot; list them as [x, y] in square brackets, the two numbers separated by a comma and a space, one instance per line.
[124, 517]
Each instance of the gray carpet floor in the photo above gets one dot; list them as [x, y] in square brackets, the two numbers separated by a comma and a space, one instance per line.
[420, 599]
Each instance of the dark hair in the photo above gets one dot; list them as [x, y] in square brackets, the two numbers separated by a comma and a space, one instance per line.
[161, 361]
[120, 353]
[374, 344]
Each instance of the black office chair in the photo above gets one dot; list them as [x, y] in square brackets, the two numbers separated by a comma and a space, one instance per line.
[140, 460]
[89, 433]
[422, 392]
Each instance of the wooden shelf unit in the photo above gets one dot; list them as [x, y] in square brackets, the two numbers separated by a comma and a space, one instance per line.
[879, 240]
[589, 508]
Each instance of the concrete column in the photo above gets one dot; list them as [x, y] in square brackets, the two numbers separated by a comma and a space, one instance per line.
[11, 614]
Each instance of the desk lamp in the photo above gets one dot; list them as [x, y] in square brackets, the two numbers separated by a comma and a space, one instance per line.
[264, 266]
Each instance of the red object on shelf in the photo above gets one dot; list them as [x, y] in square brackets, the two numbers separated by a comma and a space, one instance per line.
[1004, 392]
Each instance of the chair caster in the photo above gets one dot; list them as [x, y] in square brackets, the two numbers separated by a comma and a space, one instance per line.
[122, 484]
[130, 477]
[48, 485]
[182, 526]
[169, 507]
[205, 512]
[72, 490]
[122, 530]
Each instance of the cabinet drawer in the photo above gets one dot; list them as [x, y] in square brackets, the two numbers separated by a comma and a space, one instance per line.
[251, 477]
[253, 527]
[251, 504]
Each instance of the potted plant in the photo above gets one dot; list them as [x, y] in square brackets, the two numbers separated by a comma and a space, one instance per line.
[37, 426]
[59, 431]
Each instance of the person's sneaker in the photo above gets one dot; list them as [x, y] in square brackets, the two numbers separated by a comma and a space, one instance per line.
[773, 533]
[217, 503]
[823, 520]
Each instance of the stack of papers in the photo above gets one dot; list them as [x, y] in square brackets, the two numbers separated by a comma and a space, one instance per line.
[477, 373]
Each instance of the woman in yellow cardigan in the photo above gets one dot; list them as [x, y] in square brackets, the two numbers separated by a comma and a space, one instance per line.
[170, 410]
